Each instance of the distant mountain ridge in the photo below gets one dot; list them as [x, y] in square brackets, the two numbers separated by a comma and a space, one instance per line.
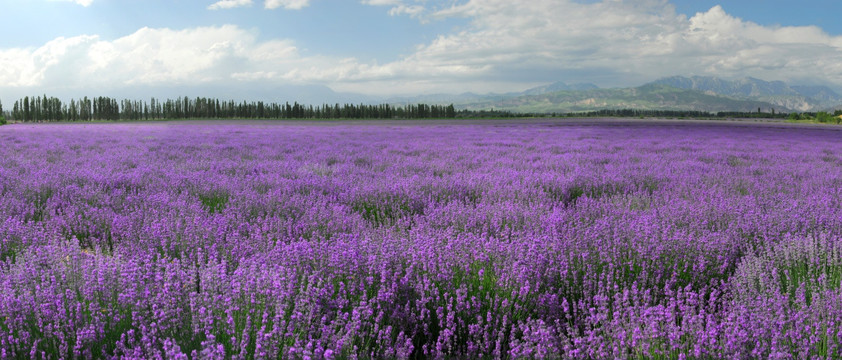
[646, 97]
[468, 97]
[559, 86]
[696, 93]
[801, 98]
[822, 93]
[747, 87]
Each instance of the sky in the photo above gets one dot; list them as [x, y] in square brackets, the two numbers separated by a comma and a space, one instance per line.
[245, 49]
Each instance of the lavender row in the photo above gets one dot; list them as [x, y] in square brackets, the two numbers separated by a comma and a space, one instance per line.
[356, 241]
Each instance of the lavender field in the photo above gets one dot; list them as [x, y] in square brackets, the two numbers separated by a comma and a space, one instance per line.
[531, 240]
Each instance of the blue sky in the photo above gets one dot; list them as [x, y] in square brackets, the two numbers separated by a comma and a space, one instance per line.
[821, 13]
[402, 47]
[340, 28]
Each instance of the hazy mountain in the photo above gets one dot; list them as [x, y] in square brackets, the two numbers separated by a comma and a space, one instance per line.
[702, 93]
[821, 93]
[673, 93]
[558, 86]
[778, 93]
[467, 98]
[647, 97]
[747, 87]
[437, 99]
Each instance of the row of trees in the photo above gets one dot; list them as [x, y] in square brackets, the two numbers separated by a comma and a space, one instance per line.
[679, 114]
[51, 109]
[645, 113]
[821, 116]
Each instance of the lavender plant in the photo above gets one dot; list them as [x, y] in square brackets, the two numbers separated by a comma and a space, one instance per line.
[260, 240]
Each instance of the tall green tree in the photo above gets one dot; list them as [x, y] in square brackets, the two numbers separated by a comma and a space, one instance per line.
[26, 109]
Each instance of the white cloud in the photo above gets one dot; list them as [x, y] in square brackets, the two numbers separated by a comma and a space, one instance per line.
[398, 7]
[381, 2]
[411, 10]
[84, 3]
[269, 4]
[147, 57]
[228, 4]
[506, 46]
[286, 4]
[612, 42]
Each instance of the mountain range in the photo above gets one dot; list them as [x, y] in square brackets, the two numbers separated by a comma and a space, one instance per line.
[696, 93]
[467, 98]
[799, 98]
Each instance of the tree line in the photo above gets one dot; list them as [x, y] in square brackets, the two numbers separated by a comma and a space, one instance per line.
[821, 116]
[695, 114]
[51, 109]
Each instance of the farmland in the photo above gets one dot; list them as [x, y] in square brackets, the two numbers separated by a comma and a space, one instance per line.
[504, 239]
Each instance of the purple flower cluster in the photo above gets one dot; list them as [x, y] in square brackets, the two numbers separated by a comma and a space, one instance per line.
[260, 240]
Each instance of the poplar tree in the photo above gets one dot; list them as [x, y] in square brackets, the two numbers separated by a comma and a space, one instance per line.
[26, 108]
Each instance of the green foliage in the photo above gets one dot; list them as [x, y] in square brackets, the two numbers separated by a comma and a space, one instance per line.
[820, 117]
[214, 201]
[736, 161]
[2, 120]
[824, 117]
[39, 198]
[386, 209]
[9, 250]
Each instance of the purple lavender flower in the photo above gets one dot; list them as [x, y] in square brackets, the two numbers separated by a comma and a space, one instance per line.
[545, 240]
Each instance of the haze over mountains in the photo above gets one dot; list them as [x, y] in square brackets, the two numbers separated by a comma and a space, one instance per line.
[696, 93]
[468, 98]
[800, 98]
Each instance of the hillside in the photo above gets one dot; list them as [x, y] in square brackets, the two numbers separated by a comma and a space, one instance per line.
[697, 93]
[777, 93]
[469, 98]
[647, 97]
